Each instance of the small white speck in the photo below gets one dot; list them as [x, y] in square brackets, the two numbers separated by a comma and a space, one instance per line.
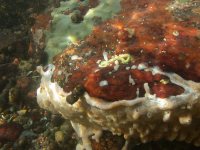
[105, 56]
[138, 92]
[98, 61]
[96, 70]
[128, 68]
[141, 67]
[103, 83]
[59, 72]
[164, 51]
[75, 57]
[116, 67]
[175, 33]
[131, 80]
[187, 65]
[166, 116]
[146, 88]
[133, 67]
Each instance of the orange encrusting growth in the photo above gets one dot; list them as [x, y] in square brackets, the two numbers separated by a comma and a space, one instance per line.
[149, 32]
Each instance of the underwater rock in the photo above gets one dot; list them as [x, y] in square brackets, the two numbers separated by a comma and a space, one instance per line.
[140, 75]
[13, 95]
[10, 132]
[59, 137]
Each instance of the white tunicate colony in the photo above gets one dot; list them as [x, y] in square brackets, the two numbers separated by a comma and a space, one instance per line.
[142, 113]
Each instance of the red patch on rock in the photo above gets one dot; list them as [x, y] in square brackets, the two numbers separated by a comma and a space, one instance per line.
[128, 84]
[151, 34]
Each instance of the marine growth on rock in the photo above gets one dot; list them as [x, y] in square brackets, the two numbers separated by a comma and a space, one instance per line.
[136, 75]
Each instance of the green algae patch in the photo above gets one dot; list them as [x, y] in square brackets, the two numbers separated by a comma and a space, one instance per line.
[64, 31]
